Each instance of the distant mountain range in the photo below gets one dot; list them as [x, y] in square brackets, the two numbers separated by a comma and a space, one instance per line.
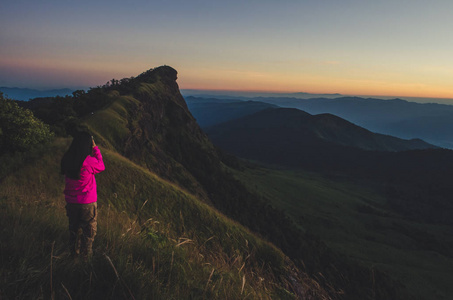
[431, 122]
[24, 94]
[219, 94]
[286, 133]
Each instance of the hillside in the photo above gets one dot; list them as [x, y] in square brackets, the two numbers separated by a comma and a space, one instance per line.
[155, 241]
[168, 191]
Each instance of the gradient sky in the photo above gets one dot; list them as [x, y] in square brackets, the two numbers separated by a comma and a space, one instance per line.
[397, 47]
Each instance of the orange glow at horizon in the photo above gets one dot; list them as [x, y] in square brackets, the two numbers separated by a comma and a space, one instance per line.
[92, 73]
[313, 85]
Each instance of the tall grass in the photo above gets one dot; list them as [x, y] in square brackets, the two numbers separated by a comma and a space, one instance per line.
[155, 241]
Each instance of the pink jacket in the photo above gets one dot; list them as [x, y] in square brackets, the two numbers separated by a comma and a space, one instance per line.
[84, 190]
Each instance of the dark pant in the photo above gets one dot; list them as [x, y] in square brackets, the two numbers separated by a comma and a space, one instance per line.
[82, 217]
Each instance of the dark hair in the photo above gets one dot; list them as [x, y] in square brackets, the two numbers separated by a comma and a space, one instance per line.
[72, 160]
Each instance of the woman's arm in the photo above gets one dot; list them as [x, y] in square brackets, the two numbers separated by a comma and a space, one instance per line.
[97, 162]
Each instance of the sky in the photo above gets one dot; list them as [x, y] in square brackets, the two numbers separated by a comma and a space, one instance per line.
[379, 47]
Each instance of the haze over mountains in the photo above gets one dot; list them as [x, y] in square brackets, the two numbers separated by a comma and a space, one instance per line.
[430, 122]
[25, 94]
[228, 94]
[231, 120]
[219, 94]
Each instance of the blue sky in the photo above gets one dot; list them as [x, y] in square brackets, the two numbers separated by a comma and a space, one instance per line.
[400, 48]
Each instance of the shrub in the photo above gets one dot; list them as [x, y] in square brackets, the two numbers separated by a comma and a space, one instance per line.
[19, 129]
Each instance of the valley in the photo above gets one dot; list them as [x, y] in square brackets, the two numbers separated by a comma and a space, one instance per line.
[354, 219]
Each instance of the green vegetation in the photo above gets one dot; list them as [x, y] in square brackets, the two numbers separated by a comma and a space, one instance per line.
[19, 129]
[154, 241]
[355, 220]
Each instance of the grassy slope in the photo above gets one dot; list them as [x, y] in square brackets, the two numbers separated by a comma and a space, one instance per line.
[139, 231]
[117, 124]
[354, 221]
[154, 239]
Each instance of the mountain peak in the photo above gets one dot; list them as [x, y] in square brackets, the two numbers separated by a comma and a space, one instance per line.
[162, 72]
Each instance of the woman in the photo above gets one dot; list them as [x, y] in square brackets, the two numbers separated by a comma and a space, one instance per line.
[79, 164]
